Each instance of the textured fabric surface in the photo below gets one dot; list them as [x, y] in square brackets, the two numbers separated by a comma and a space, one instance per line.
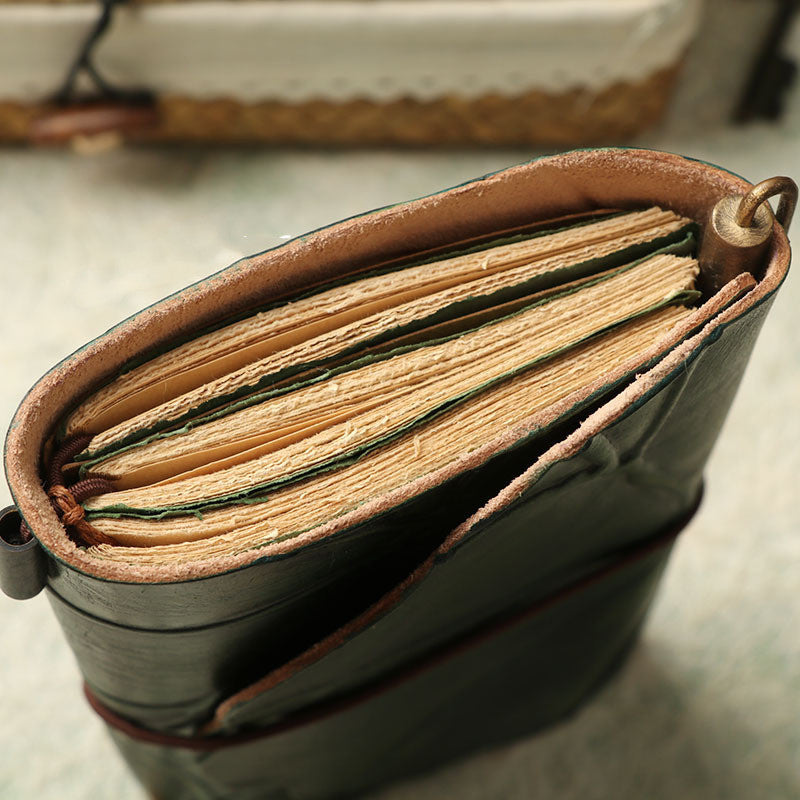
[707, 706]
[377, 51]
[573, 118]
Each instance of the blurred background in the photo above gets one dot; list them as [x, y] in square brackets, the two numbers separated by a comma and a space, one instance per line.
[148, 144]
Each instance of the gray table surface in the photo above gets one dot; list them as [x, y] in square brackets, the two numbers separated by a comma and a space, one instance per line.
[708, 705]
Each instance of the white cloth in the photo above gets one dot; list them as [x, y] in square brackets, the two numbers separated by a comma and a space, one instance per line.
[345, 49]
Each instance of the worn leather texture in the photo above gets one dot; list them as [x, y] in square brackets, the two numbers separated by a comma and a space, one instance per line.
[499, 684]
[472, 607]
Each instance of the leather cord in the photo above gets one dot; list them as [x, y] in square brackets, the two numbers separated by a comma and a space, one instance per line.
[67, 500]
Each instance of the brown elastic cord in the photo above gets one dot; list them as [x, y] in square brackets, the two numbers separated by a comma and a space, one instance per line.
[66, 452]
[72, 513]
[67, 500]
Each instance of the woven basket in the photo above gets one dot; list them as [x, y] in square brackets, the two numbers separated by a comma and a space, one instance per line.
[459, 72]
[573, 118]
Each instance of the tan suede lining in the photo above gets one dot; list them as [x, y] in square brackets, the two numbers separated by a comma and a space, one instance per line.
[552, 186]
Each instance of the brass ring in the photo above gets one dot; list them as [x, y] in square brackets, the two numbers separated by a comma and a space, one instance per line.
[760, 193]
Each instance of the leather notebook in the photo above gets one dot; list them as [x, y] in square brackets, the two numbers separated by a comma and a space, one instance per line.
[400, 489]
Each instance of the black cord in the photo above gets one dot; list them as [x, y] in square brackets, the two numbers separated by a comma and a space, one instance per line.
[68, 93]
[772, 73]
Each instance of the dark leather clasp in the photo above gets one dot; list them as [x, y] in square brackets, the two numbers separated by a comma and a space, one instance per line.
[23, 565]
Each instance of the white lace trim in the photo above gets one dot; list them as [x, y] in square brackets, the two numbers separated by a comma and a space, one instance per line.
[296, 50]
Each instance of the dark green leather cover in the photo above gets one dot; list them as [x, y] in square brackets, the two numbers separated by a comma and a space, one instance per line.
[499, 683]
[476, 610]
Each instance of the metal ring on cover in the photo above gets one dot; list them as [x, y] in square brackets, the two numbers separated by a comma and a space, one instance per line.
[760, 193]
